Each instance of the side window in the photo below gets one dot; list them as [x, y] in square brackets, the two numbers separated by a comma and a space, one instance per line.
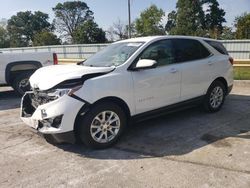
[161, 52]
[189, 50]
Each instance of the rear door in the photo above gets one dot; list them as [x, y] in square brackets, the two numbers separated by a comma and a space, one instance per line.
[196, 65]
[222, 62]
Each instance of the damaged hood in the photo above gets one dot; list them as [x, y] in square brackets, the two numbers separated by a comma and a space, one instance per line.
[47, 77]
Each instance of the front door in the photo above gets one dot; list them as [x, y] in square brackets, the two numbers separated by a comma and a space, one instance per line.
[157, 87]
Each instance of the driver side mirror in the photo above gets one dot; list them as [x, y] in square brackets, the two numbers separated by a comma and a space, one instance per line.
[145, 64]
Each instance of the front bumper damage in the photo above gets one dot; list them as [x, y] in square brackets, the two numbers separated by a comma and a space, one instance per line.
[52, 117]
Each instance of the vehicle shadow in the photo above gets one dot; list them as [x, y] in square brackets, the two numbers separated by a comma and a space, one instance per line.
[9, 99]
[178, 133]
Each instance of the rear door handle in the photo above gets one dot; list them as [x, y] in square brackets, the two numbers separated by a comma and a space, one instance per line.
[173, 70]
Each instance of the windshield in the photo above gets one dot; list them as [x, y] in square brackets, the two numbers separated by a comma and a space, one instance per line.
[113, 55]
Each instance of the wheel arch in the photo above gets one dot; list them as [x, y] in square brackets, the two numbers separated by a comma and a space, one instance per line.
[118, 101]
[20, 66]
[222, 80]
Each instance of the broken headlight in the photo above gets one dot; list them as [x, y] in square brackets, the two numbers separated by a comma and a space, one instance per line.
[61, 92]
[68, 87]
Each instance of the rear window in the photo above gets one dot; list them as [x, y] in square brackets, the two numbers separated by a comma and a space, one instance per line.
[189, 50]
[218, 46]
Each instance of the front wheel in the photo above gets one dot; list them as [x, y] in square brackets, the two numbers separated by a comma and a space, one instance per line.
[215, 97]
[102, 126]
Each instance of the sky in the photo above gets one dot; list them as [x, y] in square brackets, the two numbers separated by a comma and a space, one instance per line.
[106, 12]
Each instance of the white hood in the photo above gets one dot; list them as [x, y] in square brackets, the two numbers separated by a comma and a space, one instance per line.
[48, 77]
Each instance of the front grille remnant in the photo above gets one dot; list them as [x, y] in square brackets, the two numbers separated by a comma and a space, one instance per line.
[41, 97]
[32, 100]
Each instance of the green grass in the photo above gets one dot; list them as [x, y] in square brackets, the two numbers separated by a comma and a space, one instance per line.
[242, 73]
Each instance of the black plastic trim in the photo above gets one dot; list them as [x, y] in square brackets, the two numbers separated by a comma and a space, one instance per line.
[229, 89]
[93, 75]
[168, 109]
[67, 137]
[79, 99]
[68, 84]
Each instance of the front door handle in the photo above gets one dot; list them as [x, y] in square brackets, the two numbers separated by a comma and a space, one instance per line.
[173, 70]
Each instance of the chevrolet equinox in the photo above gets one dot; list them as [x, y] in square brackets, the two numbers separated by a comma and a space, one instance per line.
[129, 80]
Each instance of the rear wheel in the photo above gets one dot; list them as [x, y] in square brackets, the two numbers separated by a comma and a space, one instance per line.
[102, 126]
[215, 97]
[21, 83]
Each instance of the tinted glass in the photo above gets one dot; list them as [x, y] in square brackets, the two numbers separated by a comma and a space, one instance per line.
[218, 46]
[189, 50]
[161, 51]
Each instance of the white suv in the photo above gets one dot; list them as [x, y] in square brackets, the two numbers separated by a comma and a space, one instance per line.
[129, 80]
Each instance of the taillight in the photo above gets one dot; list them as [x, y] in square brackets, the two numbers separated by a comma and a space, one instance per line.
[55, 59]
[231, 60]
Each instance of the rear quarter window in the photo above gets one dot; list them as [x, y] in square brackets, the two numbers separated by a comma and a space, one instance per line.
[218, 46]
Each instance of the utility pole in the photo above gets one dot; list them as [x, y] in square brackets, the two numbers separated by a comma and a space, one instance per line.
[129, 20]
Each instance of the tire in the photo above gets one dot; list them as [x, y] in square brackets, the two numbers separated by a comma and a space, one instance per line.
[98, 128]
[21, 83]
[215, 97]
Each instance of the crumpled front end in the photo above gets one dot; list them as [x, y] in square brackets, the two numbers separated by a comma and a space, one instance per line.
[48, 113]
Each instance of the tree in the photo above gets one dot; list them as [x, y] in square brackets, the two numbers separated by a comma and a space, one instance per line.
[227, 33]
[23, 26]
[214, 18]
[171, 23]
[89, 33]
[120, 30]
[149, 22]
[45, 38]
[190, 18]
[3, 23]
[110, 34]
[242, 24]
[70, 15]
[4, 38]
